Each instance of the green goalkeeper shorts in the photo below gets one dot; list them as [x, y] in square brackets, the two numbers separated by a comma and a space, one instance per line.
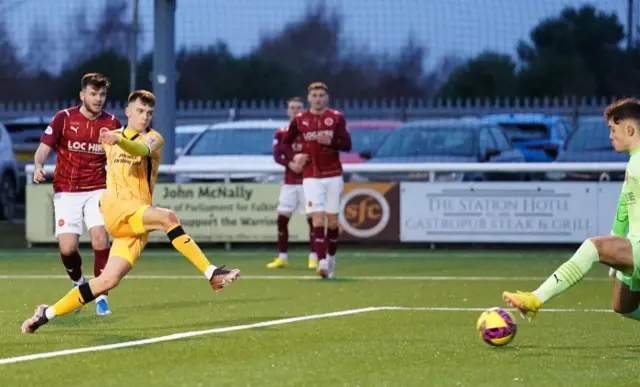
[632, 278]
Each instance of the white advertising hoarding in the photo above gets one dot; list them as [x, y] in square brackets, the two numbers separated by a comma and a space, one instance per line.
[519, 212]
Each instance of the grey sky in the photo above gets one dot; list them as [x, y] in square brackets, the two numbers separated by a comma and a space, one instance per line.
[461, 27]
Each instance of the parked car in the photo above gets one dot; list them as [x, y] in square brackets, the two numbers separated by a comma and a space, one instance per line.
[468, 140]
[538, 136]
[9, 187]
[232, 143]
[25, 135]
[366, 138]
[185, 133]
[589, 143]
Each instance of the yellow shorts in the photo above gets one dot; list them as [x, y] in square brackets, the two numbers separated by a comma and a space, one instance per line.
[123, 221]
[128, 248]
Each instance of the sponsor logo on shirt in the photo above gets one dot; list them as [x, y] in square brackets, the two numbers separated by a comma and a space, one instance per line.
[85, 147]
[312, 136]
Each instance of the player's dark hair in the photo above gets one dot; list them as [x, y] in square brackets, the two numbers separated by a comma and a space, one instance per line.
[145, 96]
[95, 80]
[318, 86]
[294, 99]
[623, 109]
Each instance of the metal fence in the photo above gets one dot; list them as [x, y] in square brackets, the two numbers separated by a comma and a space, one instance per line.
[398, 109]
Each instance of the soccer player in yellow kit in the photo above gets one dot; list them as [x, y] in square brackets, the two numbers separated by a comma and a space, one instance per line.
[133, 159]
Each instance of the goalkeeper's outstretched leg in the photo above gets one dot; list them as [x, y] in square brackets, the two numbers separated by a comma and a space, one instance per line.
[615, 252]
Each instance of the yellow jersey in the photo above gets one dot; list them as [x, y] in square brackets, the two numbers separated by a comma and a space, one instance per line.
[129, 177]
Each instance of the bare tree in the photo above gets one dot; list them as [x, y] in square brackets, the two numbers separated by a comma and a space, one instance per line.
[308, 48]
[111, 32]
[39, 56]
[114, 30]
[11, 68]
[404, 74]
[79, 39]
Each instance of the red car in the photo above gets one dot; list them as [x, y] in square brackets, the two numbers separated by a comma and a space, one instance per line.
[366, 138]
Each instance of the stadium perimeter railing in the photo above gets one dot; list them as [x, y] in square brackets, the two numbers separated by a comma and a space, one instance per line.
[416, 211]
[432, 168]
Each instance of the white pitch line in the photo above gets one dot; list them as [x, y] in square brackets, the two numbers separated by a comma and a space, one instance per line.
[184, 335]
[449, 309]
[307, 277]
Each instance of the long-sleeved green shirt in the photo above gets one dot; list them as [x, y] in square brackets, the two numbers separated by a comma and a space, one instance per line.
[621, 221]
[627, 220]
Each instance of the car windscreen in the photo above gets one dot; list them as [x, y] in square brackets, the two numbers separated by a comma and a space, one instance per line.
[419, 141]
[182, 139]
[25, 133]
[590, 136]
[525, 132]
[228, 142]
[367, 140]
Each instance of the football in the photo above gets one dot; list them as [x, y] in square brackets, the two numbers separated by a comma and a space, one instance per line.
[497, 327]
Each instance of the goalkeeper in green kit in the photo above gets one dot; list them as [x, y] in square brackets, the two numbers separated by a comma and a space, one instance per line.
[620, 250]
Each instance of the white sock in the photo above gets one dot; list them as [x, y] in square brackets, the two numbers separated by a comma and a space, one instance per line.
[81, 281]
[102, 297]
[283, 256]
[313, 256]
[209, 272]
[49, 313]
[332, 257]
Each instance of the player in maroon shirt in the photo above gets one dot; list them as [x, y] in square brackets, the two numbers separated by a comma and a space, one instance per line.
[80, 177]
[291, 194]
[325, 135]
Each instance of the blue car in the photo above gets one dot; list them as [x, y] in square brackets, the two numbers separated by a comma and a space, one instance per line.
[447, 141]
[538, 136]
[587, 144]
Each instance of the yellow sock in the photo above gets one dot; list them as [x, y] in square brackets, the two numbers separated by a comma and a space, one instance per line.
[189, 248]
[73, 300]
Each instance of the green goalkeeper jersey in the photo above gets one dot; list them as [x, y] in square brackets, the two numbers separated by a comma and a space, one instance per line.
[627, 220]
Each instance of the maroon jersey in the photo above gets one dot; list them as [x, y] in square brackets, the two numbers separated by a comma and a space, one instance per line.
[324, 159]
[281, 158]
[81, 159]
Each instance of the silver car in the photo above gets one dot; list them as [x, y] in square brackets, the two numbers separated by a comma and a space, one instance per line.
[241, 143]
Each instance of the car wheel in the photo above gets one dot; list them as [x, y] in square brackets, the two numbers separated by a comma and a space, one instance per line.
[8, 195]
